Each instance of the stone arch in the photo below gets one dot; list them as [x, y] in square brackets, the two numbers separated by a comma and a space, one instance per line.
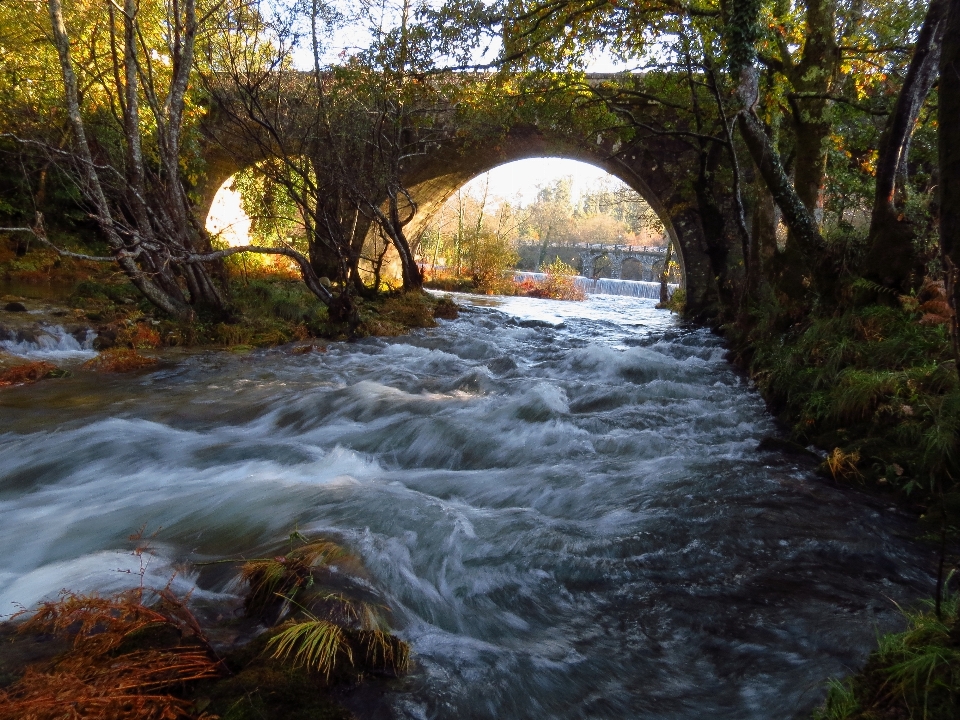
[633, 269]
[662, 168]
[436, 179]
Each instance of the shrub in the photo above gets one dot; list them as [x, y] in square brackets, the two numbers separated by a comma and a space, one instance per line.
[561, 283]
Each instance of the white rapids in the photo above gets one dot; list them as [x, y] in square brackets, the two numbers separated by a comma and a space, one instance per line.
[563, 503]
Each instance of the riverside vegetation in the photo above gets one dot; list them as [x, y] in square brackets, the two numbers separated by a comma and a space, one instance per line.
[268, 307]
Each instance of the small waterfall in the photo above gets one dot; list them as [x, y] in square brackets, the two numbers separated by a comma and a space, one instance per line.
[48, 342]
[607, 286]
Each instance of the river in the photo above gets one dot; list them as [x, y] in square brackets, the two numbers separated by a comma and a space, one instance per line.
[563, 504]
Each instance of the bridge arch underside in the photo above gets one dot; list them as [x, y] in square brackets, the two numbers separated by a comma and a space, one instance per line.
[665, 186]
[661, 169]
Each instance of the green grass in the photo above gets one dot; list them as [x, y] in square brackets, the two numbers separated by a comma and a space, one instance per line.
[912, 674]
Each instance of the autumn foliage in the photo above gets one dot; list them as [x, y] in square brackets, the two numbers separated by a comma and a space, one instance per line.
[119, 360]
[28, 373]
[125, 660]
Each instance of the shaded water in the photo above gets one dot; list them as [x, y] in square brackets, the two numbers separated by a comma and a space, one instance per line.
[562, 502]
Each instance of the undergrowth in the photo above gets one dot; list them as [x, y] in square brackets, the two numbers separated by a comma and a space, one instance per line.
[912, 674]
[872, 385]
[265, 308]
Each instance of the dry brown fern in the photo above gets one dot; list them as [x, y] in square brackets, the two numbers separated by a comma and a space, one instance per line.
[104, 674]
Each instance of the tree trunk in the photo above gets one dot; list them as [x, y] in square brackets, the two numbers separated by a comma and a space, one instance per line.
[808, 246]
[813, 78]
[412, 277]
[949, 141]
[891, 260]
[764, 232]
[92, 189]
[665, 275]
[796, 216]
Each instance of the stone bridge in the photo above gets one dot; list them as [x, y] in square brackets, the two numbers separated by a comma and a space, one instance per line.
[586, 258]
[653, 154]
[648, 257]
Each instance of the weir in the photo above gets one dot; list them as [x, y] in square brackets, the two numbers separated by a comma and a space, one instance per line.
[608, 286]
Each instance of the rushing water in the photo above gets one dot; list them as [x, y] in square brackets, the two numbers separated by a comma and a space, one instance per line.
[563, 503]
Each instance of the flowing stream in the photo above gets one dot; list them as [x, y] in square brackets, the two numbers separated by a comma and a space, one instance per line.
[563, 504]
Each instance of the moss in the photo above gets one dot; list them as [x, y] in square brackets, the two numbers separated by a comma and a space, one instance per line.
[265, 689]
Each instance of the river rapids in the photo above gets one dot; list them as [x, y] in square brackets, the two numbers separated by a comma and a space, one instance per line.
[562, 503]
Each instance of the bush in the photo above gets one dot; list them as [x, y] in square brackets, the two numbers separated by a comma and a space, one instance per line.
[490, 258]
[560, 282]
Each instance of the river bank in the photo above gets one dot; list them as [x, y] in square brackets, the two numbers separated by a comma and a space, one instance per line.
[74, 316]
[872, 384]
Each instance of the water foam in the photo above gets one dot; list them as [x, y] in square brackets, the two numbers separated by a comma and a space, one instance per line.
[52, 342]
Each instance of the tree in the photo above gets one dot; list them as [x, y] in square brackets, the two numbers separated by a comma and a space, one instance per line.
[891, 259]
[949, 146]
[127, 112]
[777, 72]
[338, 139]
[548, 218]
[142, 210]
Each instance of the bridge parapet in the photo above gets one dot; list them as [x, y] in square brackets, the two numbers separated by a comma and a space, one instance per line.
[635, 249]
[601, 248]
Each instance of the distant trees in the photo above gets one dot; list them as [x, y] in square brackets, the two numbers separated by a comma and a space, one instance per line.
[475, 237]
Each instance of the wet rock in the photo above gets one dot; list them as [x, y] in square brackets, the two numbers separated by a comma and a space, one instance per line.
[502, 365]
[27, 335]
[79, 333]
[531, 323]
[775, 444]
[15, 307]
[106, 337]
[6, 333]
